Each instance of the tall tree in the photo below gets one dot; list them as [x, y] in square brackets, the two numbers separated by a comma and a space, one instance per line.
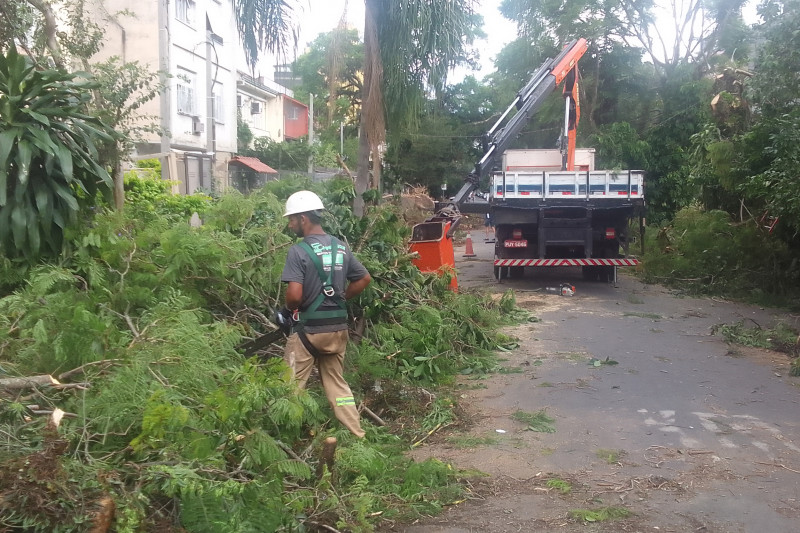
[769, 153]
[332, 70]
[266, 25]
[409, 48]
[687, 32]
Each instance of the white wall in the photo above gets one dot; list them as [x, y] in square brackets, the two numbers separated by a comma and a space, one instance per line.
[189, 56]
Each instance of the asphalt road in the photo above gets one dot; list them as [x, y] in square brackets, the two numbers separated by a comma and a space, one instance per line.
[674, 425]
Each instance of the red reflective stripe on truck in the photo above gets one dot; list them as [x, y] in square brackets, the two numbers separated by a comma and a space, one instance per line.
[565, 262]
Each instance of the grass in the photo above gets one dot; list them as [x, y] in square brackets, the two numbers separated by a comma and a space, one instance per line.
[634, 299]
[609, 456]
[538, 421]
[572, 356]
[651, 316]
[781, 338]
[564, 487]
[599, 515]
[467, 441]
[777, 338]
[545, 384]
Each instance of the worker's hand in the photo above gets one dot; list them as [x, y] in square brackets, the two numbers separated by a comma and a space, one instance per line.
[285, 320]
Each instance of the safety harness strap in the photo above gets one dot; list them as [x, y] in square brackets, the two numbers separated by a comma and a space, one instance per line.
[314, 316]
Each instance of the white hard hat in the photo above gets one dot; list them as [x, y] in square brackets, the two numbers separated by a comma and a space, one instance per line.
[302, 202]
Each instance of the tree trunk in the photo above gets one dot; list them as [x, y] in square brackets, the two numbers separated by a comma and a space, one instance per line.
[50, 30]
[119, 186]
[372, 125]
[377, 167]
[362, 170]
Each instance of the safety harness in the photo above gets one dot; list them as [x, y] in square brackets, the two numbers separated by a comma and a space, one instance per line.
[328, 307]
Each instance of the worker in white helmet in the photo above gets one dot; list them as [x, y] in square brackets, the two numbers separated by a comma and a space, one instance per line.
[321, 273]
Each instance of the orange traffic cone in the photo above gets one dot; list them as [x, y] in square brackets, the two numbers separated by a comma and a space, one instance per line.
[469, 252]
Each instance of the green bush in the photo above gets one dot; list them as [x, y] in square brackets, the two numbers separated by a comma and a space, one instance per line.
[708, 253]
[48, 155]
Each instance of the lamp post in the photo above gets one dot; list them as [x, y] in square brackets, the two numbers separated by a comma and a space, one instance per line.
[444, 190]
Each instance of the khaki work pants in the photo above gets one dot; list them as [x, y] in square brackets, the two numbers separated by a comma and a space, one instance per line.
[331, 347]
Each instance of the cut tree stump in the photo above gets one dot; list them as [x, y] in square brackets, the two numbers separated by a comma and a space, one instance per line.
[326, 456]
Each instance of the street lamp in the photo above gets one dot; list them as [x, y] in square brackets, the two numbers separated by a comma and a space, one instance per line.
[444, 189]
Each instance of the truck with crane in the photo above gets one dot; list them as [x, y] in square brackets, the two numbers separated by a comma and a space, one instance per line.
[552, 208]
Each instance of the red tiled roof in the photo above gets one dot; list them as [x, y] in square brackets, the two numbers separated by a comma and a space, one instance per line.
[253, 163]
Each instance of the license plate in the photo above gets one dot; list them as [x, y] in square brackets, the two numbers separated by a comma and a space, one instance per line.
[522, 243]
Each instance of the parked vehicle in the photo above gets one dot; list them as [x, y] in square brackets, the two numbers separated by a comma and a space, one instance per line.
[552, 208]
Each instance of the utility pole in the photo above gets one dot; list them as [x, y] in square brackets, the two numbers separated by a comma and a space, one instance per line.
[311, 136]
[165, 122]
[210, 81]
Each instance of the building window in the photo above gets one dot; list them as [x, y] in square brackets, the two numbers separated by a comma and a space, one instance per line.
[293, 113]
[186, 93]
[217, 107]
[184, 11]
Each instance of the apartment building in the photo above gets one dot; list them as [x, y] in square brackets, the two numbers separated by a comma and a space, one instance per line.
[196, 45]
[269, 109]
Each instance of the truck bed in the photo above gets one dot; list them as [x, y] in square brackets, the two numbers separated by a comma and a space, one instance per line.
[598, 185]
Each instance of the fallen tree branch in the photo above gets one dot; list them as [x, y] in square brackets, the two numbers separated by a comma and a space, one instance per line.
[375, 418]
[323, 526]
[79, 370]
[344, 167]
[80, 386]
[28, 382]
[431, 432]
[288, 451]
[778, 465]
[56, 414]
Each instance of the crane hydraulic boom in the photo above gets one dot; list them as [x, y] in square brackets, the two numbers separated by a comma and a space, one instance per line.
[563, 68]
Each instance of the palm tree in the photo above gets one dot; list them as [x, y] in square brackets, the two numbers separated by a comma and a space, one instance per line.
[409, 46]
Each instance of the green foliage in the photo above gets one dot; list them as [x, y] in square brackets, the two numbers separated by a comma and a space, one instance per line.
[564, 487]
[599, 515]
[609, 456]
[149, 311]
[773, 183]
[48, 155]
[244, 135]
[470, 441]
[705, 252]
[435, 153]
[286, 155]
[378, 479]
[619, 147]
[538, 421]
[331, 70]
[780, 338]
[147, 195]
